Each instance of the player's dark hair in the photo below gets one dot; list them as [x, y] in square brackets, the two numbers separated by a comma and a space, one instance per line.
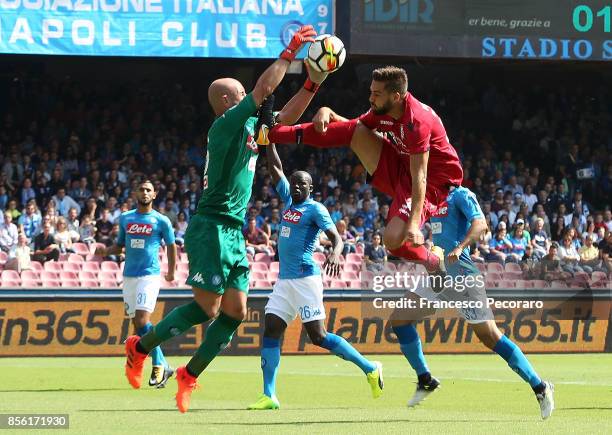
[395, 78]
[147, 181]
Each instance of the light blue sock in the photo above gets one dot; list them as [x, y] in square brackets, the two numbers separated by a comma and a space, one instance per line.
[517, 361]
[156, 354]
[342, 348]
[270, 359]
[410, 344]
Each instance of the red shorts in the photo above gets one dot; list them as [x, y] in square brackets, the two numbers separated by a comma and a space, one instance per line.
[393, 178]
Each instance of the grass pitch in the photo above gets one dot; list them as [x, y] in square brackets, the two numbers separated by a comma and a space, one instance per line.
[318, 394]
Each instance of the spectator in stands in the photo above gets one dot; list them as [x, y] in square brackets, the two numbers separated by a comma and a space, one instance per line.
[180, 228]
[256, 240]
[91, 209]
[13, 169]
[519, 243]
[605, 250]
[347, 238]
[254, 214]
[550, 265]
[476, 254]
[12, 209]
[63, 202]
[507, 211]
[63, 236]
[26, 192]
[529, 197]
[539, 239]
[21, 256]
[498, 202]
[375, 254]
[8, 234]
[274, 222]
[590, 231]
[530, 264]
[358, 229]
[492, 217]
[80, 193]
[104, 227]
[590, 259]
[87, 230]
[73, 223]
[559, 197]
[569, 255]
[45, 248]
[499, 245]
[4, 197]
[608, 218]
[367, 214]
[558, 229]
[349, 205]
[540, 213]
[31, 221]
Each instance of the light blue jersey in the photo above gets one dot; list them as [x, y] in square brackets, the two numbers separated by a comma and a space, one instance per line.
[298, 233]
[141, 234]
[451, 223]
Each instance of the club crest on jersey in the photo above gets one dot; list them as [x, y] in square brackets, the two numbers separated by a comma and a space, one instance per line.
[292, 216]
[250, 143]
[139, 229]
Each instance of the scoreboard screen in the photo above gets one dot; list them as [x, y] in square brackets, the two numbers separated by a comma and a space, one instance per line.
[505, 29]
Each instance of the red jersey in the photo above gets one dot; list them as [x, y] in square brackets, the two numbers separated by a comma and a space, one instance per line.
[418, 131]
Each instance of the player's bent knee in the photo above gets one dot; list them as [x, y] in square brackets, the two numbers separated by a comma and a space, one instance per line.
[317, 338]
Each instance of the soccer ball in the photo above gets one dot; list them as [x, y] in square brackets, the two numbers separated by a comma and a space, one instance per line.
[326, 53]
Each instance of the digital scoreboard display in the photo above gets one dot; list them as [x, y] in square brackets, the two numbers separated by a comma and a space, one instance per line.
[506, 29]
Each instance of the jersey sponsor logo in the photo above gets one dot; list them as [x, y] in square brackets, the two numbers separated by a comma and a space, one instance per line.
[292, 216]
[383, 122]
[285, 231]
[198, 278]
[139, 229]
[442, 210]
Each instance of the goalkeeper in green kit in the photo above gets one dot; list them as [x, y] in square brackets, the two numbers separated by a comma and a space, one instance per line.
[218, 267]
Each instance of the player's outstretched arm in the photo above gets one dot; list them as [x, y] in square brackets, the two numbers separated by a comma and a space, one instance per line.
[332, 263]
[275, 167]
[295, 107]
[273, 75]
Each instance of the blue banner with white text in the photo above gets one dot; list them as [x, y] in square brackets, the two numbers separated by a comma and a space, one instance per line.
[158, 28]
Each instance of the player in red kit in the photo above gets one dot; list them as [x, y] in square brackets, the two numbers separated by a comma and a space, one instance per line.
[402, 143]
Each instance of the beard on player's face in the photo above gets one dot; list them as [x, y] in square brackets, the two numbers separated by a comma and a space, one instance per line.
[144, 202]
[384, 109]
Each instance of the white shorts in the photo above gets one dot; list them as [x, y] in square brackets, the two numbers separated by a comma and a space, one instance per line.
[476, 293]
[140, 293]
[303, 296]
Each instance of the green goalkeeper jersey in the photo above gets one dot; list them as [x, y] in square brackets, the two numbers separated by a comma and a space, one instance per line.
[230, 163]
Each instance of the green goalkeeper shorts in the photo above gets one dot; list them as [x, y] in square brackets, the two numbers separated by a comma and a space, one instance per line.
[217, 255]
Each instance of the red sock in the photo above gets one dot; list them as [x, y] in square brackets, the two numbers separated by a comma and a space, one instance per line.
[417, 254]
[338, 134]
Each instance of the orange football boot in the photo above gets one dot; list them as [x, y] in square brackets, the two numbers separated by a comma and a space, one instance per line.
[134, 363]
[186, 385]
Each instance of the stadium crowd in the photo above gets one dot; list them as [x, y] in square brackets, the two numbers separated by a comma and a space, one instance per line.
[538, 160]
